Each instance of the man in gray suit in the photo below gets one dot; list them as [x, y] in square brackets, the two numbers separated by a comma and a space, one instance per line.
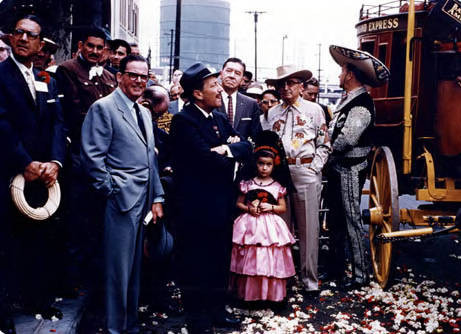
[241, 111]
[118, 154]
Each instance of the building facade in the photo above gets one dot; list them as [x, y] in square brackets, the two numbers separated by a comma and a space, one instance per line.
[205, 26]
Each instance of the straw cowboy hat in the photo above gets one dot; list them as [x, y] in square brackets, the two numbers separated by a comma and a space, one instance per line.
[17, 194]
[372, 68]
[289, 71]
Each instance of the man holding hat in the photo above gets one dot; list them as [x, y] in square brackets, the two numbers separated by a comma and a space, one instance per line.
[204, 150]
[351, 140]
[33, 144]
[301, 126]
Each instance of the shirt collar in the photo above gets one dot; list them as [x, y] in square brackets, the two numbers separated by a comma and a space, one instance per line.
[295, 105]
[205, 114]
[353, 94]
[21, 66]
[225, 95]
[129, 104]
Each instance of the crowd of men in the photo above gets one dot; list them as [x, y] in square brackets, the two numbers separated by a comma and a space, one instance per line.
[124, 149]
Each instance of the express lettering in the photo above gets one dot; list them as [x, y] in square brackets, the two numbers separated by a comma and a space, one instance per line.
[455, 11]
[383, 24]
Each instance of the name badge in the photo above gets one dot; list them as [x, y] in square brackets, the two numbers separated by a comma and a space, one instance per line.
[41, 86]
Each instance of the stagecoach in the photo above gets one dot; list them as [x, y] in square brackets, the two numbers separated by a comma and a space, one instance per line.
[417, 132]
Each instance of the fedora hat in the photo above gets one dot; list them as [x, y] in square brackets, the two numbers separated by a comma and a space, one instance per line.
[289, 71]
[193, 76]
[372, 68]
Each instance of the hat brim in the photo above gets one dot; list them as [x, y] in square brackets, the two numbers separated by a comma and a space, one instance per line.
[374, 70]
[304, 75]
[188, 92]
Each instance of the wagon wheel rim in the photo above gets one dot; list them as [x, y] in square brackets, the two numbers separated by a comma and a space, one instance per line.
[384, 194]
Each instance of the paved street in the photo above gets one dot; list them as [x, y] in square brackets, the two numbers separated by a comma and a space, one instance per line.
[424, 297]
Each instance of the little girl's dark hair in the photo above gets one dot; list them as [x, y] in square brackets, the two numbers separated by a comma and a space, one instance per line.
[264, 154]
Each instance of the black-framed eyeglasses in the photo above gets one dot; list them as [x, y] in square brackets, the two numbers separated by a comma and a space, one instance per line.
[30, 34]
[269, 101]
[288, 82]
[136, 76]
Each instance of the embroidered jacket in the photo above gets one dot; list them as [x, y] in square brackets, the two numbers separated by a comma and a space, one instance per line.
[352, 124]
[303, 131]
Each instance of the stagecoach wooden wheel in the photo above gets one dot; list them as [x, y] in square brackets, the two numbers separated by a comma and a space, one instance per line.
[384, 196]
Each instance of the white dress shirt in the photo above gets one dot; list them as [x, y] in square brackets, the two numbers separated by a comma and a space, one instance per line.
[28, 75]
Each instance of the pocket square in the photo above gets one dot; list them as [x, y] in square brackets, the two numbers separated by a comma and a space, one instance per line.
[51, 101]
[245, 119]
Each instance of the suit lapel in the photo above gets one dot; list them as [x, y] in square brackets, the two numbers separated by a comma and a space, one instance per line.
[127, 116]
[19, 78]
[239, 107]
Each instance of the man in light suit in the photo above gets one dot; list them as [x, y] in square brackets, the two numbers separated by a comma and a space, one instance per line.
[33, 144]
[118, 155]
[241, 111]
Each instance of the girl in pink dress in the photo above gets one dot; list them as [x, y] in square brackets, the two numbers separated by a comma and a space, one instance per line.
[261, 259]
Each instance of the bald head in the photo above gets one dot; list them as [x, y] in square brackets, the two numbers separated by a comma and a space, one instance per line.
[156, 99]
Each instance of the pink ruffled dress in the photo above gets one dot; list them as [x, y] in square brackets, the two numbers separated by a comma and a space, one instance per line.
[261, 259]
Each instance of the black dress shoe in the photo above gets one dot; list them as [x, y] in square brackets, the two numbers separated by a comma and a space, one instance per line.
[7, 326]
[50, 312]
[311, 294]
[347, 285]
[227, 321]
[328, 277]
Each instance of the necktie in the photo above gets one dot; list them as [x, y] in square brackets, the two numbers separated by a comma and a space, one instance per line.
[140, 121]
[230, 111]
[30, 83]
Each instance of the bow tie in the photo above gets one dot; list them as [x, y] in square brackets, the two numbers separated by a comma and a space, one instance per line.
[96, 71]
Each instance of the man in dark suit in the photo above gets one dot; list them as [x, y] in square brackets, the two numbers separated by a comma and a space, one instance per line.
[82, 81]
[242, 111]
[204, 148]
[33, 144]
[118, 155]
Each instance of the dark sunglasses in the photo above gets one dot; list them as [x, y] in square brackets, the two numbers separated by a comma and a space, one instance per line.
[269, 101]
[289, 83]
[30, 34]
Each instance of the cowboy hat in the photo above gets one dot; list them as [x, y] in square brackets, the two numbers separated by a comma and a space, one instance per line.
[375, 72]
[289, 71]
[17, 194]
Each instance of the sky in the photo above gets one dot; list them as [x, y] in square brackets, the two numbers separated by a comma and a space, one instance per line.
[306, 23]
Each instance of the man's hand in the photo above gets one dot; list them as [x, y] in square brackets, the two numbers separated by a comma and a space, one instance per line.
[219, 149]
[233, 140]
[33, 171]
[49, 173]
[157, 212]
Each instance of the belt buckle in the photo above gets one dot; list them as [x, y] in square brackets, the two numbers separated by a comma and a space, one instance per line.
[298, 162]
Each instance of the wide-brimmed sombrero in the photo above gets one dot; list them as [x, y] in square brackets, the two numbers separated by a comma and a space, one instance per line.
[289, 71]
[373, 69]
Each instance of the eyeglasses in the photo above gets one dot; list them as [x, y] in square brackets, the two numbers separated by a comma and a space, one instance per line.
[269, 101]
[30, 34]
[289, 83]
[136, 76]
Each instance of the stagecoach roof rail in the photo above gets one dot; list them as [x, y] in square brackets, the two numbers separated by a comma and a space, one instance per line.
[388, 8]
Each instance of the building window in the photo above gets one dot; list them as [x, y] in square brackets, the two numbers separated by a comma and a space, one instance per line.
[123, 13]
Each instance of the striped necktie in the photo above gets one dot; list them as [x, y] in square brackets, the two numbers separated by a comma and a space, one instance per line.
[230, 111]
